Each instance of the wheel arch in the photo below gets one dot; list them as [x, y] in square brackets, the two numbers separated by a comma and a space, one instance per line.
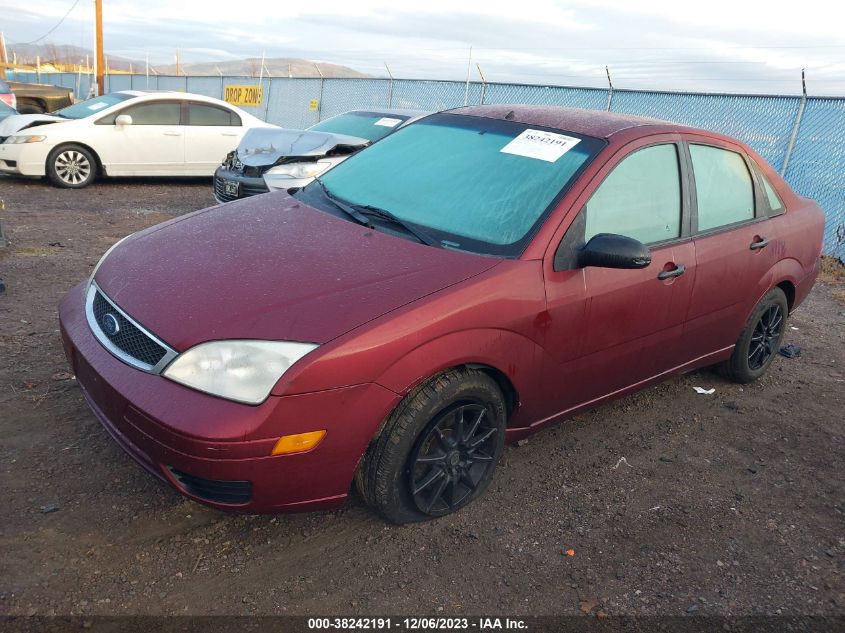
[64, 144]
[511, 359]
[789, 290]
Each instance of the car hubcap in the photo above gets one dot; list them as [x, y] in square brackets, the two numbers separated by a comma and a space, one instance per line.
[453, 458]
[765, 337]
[73, 167]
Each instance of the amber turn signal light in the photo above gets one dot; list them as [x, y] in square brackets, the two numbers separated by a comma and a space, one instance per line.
[298, 443]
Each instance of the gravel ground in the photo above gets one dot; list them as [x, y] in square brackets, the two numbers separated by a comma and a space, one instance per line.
[724, 504]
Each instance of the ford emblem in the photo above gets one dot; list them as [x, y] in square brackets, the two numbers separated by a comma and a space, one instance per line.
[110, 324]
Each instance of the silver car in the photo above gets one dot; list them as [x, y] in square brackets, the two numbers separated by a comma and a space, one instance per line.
[278, 158]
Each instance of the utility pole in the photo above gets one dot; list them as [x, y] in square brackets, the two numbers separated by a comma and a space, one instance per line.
[100, 57]
[469, 65]
[178, 69]
[3, 58]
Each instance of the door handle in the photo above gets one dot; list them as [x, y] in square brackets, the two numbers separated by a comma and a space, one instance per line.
[229, 133]
[677, 271]
[758, 243]
[173, 133]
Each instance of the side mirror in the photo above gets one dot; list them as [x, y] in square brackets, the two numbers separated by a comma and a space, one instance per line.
[123, 119]
[608, 250]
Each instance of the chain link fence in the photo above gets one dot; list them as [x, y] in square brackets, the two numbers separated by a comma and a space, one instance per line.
[806, 143]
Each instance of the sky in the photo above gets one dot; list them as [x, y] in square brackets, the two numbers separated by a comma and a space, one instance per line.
[741, 46]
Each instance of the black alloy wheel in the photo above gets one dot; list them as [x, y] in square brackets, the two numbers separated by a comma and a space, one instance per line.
[452, 458]
[765, 338]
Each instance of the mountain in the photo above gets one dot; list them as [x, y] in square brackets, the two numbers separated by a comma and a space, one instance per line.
[69, 55]
[251, 67]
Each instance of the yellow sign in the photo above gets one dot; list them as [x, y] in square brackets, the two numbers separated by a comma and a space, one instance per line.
[244, 95]
[315, 103]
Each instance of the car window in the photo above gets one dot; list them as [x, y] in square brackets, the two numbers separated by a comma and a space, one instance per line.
[641, 198]
[6, 111]
[723, 187]
[162, 113]
[775, 203]
[367, 125]
[93, 106]
[204, 114]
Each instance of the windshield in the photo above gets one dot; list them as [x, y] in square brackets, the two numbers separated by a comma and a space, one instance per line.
[5, 111]
[92, 106]
[369, 125]
[476, 184]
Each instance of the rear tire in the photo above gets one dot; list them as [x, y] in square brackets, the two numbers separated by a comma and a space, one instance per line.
[438, 449]
[71, 167]
[760, 341]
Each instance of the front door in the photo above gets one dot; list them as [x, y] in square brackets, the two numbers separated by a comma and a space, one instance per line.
[153, 145]
[610, 328]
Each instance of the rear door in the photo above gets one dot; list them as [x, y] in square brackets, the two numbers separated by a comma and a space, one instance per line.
[609, 328]
[212, 131]
[153, 145]
[736, 245]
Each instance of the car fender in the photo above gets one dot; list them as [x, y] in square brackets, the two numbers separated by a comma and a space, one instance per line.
[509, 353]
[787, 269]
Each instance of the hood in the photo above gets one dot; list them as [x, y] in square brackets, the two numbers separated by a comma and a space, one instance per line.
[271, 268]
[264, 146]
[20, 122]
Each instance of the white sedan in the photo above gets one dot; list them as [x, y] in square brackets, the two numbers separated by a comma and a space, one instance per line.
[131, 133]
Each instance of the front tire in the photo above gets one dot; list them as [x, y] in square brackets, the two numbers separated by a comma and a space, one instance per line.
[760, 341]
[438, 449]
[71, 167]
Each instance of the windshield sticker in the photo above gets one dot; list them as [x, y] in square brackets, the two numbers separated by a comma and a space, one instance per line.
[388, 122]
[541, 145]
[97, 106]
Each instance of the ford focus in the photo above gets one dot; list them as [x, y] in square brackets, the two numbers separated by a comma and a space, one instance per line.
[469, 279]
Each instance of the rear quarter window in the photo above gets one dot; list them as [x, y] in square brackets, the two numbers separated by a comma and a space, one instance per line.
[775, 203]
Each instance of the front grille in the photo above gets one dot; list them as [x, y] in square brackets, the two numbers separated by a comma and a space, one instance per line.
[230, 492]
[128, 338]
[220, 191]
[246, 189]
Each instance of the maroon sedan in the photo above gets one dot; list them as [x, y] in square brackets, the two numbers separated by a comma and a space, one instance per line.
[470, 279]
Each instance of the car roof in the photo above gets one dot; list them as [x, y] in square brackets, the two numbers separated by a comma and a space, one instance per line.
[408, 112]
[170, 93]
[595, 123]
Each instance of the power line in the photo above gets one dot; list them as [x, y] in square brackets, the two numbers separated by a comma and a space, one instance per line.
[58, 24]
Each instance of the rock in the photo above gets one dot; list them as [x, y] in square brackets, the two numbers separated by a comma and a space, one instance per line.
[47, 508]
[692, 608]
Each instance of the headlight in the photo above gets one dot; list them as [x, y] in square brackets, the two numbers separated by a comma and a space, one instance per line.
[299, 170]
[17, 140]
[244, 371]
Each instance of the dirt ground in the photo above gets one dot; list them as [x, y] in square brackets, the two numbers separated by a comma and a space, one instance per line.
[724, 504]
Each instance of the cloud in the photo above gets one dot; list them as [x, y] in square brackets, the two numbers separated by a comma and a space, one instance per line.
[721, 45]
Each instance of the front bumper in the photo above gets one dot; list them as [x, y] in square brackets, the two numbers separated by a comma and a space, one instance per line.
[246, 185]
[24, 159]
[173, 431]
